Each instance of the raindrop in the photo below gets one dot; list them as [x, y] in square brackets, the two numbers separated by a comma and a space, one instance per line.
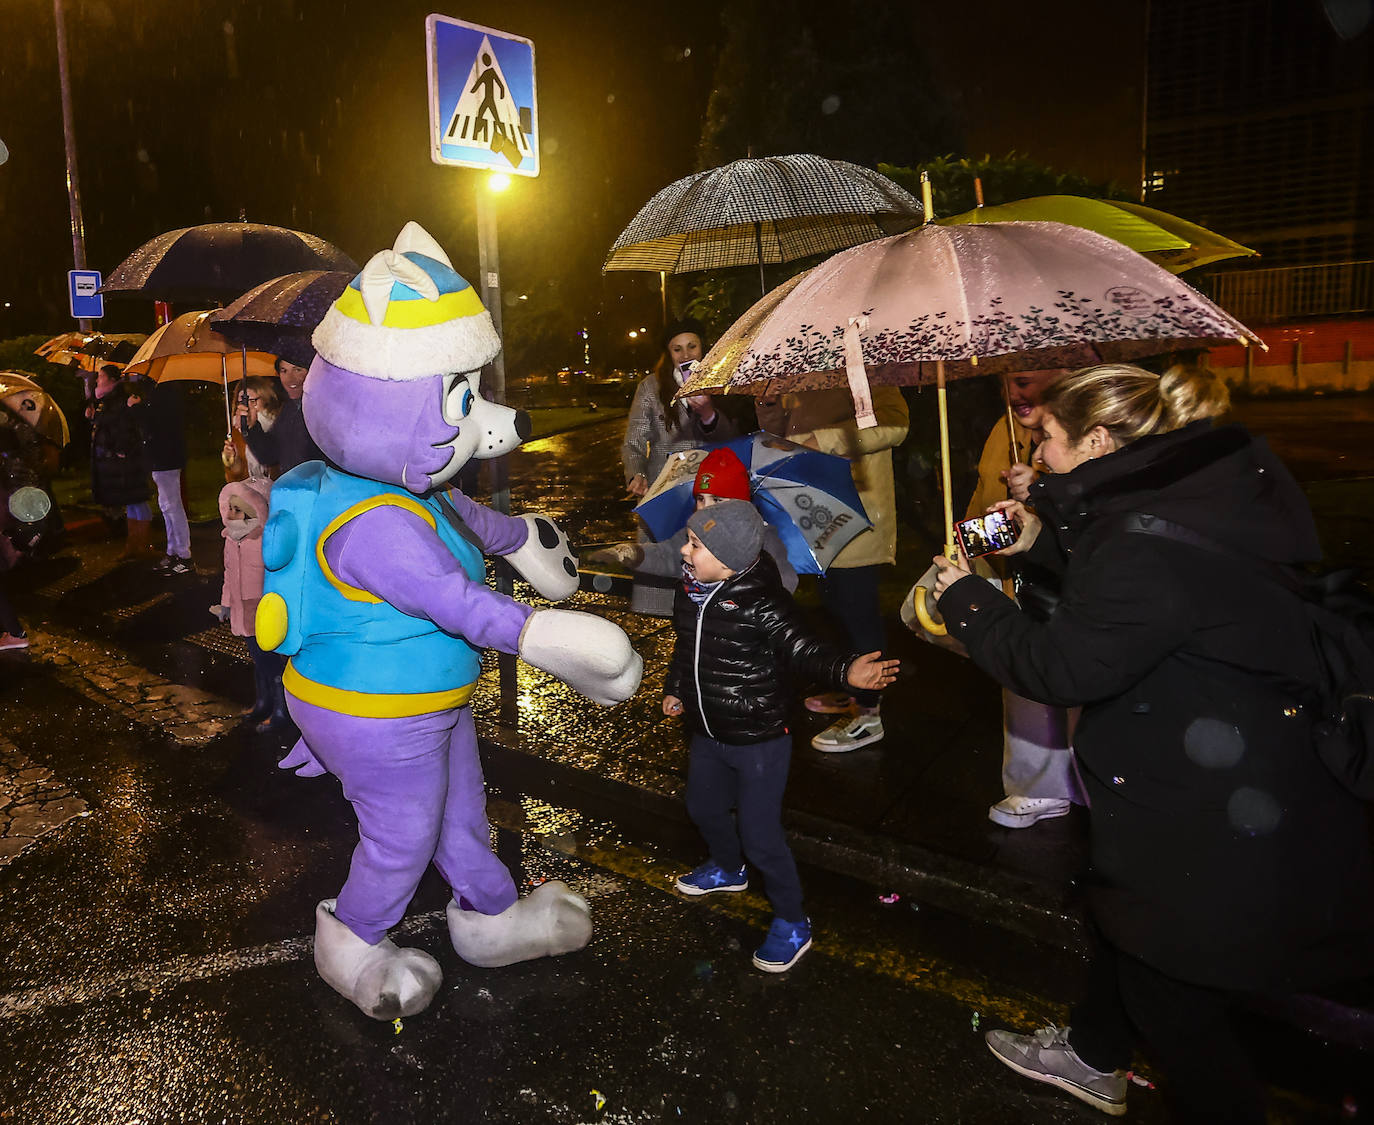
[830, 104]
[142, 155]
[1253, 811]
[686, 52]
[549, 145]
[610, 99]
[1213, 744]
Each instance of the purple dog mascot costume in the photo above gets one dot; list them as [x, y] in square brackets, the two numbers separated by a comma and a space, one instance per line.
[376, 590]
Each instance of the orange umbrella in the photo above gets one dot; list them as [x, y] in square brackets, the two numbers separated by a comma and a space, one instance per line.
[187, 348]
[89, 352]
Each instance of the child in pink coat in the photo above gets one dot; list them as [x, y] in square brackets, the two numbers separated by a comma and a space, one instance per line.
[243, 508]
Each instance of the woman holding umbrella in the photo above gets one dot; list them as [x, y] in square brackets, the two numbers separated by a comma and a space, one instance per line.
[1226, 859]
[657, 427]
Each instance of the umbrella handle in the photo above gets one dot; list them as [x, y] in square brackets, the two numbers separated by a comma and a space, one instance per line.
[930, 621]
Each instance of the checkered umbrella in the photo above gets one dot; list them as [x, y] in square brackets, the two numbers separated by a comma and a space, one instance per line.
[762, 211]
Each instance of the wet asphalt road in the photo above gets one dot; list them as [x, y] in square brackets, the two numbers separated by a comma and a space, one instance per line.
[157, 928]
[158, 969]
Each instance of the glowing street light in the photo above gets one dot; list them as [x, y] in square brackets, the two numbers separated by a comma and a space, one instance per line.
[498, 181]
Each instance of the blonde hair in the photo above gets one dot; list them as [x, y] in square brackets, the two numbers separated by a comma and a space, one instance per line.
[1130, 402]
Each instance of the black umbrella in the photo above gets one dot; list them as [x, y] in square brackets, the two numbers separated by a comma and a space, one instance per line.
[279, 315]
[218, 261]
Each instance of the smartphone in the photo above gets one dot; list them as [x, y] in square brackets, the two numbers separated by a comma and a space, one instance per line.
[984, 534]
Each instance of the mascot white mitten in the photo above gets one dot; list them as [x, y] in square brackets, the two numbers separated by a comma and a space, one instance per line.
[376, 590]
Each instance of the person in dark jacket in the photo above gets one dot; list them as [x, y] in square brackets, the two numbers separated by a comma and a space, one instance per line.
[736, 630]
[119, 472]
[288, 443]
[164, 429]
[1226, 859]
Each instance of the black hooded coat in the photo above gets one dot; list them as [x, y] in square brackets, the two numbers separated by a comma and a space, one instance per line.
[1223, 851]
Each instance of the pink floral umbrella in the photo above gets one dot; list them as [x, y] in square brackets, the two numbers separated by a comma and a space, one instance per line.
[977, 300]
[949, 302]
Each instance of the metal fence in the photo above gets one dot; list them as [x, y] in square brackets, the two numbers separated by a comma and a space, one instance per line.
[1264, 296]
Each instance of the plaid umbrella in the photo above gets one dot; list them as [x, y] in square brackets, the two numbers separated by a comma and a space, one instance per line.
[765, 211]
[279, 316]
[220, 261]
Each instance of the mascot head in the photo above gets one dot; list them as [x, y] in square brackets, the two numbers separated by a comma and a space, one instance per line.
[392, 394]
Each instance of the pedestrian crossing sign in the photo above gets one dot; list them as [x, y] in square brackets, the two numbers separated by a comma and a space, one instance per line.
[481, 98]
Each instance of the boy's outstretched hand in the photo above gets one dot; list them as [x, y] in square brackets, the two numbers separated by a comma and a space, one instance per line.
[869, 673]
[672, 705]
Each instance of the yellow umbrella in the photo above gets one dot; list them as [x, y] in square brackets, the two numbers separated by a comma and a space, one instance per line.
[33, 404]
[89, 352]
[1168, 241]
[188, 349]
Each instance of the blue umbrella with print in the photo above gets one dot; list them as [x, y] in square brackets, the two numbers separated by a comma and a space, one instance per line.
[809, 497]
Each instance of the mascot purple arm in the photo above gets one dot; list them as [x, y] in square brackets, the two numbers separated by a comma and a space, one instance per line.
[376, 590]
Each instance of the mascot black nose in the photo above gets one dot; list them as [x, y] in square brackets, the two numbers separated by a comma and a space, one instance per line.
[523, 426]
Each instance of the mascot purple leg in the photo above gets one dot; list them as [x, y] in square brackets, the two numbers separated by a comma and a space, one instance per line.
[376, 590]
[423, 799]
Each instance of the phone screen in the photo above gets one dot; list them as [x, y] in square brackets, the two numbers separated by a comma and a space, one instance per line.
[984, 534]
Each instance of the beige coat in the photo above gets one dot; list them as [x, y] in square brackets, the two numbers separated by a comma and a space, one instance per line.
[824, 420]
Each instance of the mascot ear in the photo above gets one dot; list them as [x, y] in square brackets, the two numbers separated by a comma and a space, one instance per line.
[415, 239]
[546, 560]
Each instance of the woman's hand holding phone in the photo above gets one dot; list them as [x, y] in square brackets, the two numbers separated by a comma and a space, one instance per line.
[1026, 519]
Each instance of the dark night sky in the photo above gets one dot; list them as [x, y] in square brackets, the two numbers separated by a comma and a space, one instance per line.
[312, 113]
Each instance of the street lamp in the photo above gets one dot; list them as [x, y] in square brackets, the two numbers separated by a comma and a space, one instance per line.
[498, 181]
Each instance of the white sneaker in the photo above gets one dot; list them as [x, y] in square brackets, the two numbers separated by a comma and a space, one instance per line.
[1022, 812]
[849, 733]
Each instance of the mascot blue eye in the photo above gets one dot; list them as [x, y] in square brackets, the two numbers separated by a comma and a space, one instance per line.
[458, 401]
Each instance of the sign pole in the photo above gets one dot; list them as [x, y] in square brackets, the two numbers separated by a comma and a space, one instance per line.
[494, 377]
[69, 132]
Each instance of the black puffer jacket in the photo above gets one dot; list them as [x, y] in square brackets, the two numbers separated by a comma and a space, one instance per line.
[1224, 852]
[734, 653]
[119, 472]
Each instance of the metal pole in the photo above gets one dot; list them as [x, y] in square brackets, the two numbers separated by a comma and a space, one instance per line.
[494, 375]
[758, 246]
[663, 295]
[69, 132]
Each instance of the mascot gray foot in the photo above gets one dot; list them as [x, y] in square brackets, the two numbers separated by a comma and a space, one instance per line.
[384, 980]
[548, 921]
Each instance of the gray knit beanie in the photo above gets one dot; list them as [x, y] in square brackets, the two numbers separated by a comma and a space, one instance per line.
[731, 530]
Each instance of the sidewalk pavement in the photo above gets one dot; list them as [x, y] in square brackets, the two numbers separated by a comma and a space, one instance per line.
[907, 815]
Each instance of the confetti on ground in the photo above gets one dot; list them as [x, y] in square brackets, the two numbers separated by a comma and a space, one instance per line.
[888, 900]
[1139, 1081]
[396, 1026]
[975, 1021]
[600, 1099]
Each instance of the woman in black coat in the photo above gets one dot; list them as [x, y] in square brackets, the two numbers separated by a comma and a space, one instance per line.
[119, 470]
[1226, 859]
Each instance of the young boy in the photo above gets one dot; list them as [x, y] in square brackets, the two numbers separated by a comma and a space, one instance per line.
[738, 633]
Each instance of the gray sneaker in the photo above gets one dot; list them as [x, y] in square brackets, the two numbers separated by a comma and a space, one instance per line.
[1047, 1057]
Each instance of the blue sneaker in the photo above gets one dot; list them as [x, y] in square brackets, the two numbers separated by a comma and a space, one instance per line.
[711, 877]
[783, 947]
